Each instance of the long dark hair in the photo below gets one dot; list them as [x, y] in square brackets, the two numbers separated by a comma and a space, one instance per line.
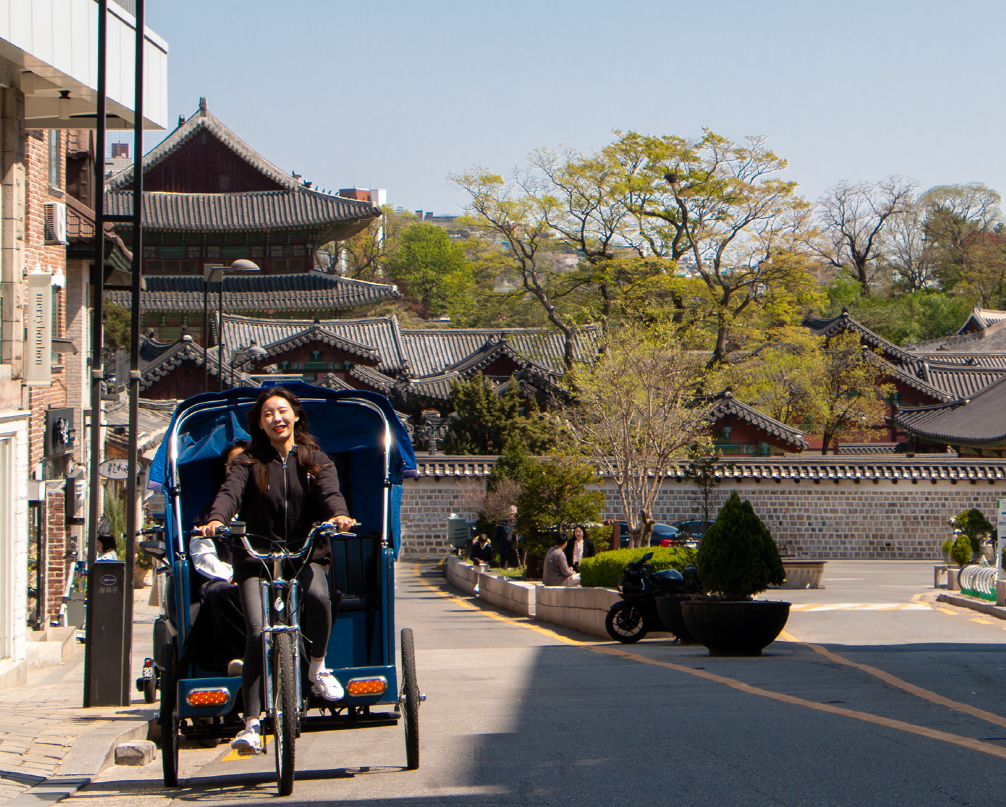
[261, 450]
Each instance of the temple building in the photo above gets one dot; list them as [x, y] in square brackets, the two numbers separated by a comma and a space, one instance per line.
[209, 200]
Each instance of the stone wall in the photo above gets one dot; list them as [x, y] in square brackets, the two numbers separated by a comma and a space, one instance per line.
[828, 508]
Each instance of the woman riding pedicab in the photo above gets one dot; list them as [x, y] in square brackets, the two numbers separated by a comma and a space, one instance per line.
[280, 486]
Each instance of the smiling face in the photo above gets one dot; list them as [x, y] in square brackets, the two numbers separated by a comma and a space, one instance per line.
[277, 421]
[578, 533]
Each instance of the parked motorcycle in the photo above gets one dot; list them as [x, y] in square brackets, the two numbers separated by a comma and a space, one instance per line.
[651, 601]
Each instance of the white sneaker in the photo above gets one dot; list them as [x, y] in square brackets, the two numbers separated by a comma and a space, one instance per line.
[234, 667]
[248, 741]
[326, 685]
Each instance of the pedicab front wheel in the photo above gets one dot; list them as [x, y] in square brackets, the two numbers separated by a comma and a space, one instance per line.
[410, 694]
[284, 712]
[170, 735]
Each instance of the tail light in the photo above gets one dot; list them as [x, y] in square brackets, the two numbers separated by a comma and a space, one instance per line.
[377, 685]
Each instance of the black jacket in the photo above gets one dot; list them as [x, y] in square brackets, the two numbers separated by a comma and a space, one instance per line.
[483, 553]
[285, 511]
[588, 550]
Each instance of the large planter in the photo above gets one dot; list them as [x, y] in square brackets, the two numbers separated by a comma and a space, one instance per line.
[669, 608]
[731, 628]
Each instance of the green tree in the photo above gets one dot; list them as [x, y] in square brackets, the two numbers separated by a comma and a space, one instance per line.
[975, 526]
[737, 557]
[433, 268]
[554, 494]
[717, 209]
[117, 325]
[366, 254]
[485, 422]
[633, 413]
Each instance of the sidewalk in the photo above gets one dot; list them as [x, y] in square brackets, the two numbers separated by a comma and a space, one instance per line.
[45, 734]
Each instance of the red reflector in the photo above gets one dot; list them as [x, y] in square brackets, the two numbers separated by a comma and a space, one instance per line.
[208, 697]
[367, 686]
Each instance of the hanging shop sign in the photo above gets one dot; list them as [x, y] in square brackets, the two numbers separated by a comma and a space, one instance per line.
[38, 346]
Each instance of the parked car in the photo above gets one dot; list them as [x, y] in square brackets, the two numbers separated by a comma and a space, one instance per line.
[693, 530]
[662, 535]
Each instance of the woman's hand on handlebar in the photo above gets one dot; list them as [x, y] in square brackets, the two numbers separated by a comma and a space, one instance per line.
[342, 523]
[210, 529]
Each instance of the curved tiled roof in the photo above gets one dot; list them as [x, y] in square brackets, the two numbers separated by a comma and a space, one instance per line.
[960, 380]
[225, 212]
[980, 319]
[433, 388]
[320, 333]
[373, 378]
[330, 381]
[803, 467]
[258, 292]
[379, 333]
[907, 378]
[177, 353]
[728, 405]
[844, 322]
[978, 421]
[432, 351]
[203, 122]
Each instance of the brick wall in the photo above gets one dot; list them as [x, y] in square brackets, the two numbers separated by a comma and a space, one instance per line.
[57, 541]
[822, 519]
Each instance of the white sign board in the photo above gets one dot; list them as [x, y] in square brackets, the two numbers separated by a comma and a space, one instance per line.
[1001, 531]
[38, 322]
[114, 469]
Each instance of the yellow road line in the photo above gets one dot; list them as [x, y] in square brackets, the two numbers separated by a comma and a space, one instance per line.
[982, 621]
[866, 717]
[947, 611]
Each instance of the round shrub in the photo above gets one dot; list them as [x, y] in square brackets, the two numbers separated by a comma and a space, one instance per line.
[962, 550]
[737, 557]
[605, 570]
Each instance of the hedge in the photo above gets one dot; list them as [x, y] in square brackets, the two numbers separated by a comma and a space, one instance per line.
[605, 570]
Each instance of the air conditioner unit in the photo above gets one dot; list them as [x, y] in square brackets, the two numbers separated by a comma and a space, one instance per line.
[55, 223]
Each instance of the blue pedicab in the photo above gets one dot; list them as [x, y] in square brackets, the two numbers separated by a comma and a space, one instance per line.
[199, 699]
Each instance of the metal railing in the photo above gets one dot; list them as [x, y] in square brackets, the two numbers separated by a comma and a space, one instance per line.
[980, 581]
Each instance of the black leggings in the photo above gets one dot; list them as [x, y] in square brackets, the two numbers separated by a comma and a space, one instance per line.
[315, 625]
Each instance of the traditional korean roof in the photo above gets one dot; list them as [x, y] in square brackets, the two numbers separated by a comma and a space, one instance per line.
[980, 319]
[844, 322]
[373, 378]
[496, 347]
[380, 334]
[152, 420]
[321, 333]
[960, 380]
[259, 210]
[311, 291]
[979, 346]
[727, 406]
[175, 354]
[330, 381]
[202, 124]
[791, 467]
[80, 234]
[908, 378]
[845, 449]
[435, 388]
[435, 350]
[979, 421]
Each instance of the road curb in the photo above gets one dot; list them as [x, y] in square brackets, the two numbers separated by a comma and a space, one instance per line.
[92, 752]
[975, 605]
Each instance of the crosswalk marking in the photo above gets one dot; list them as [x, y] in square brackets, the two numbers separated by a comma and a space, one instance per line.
[864, 606]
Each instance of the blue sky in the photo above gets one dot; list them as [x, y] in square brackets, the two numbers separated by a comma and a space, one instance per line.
[400, 94]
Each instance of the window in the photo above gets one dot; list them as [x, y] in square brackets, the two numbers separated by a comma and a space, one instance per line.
[54, 158]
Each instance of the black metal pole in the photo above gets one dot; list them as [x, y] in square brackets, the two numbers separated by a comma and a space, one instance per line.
[97, 288]
[134, 357]
[206, 332]
[220, 336]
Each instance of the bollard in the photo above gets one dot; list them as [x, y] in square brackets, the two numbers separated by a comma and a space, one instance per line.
[105, 633]
[1000, 592]
[953, 579]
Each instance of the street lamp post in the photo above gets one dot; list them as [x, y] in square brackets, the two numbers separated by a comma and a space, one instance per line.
[215, 274]
[252, 352]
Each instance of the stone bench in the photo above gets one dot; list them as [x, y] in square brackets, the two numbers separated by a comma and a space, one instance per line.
[581, 608]
[802, 573]
[460, 574]
[513, 595]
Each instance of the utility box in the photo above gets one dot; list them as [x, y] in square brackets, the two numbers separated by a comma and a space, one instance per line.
[106, 588]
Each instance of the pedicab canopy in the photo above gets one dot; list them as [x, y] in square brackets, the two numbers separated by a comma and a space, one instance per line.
[347, 424]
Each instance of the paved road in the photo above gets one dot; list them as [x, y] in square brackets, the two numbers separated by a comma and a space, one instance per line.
[900, 706]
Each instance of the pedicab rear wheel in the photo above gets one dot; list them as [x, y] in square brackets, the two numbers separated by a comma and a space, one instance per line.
[410, 693]
[284, 712]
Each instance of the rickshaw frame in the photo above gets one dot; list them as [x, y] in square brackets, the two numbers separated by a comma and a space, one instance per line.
[179, 717]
